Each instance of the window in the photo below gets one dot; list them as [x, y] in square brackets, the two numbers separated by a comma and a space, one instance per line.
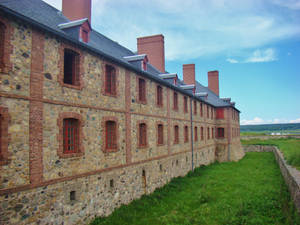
[220, 132]
[220, 113]
[185, 104]
[2, 37]
[195, 107]
[208, 136]
[186, 134]
[212, 133]
[71, 67]
[142, 134]
[175, 101]
[72, 195]
[212, 112]
[110, 80]
[202, 134]
[142, 90]
[176, 134]
[160, 134]
[159, 96]
[144, 65]
[196, 133]
[71, 135]
[201, 109]
[110, 134]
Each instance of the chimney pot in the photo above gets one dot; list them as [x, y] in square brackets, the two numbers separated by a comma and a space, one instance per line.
[213, 81]
[154, 48]
[77, 9]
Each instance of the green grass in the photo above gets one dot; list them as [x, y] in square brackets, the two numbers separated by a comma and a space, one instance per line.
[290, 147]
[250, 192]
[252, 133]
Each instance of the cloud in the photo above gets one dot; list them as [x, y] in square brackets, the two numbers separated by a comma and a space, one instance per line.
[195, 28]
[267, 55]
[258, 120]
[232, 60]
[295, 121]
[291, 4]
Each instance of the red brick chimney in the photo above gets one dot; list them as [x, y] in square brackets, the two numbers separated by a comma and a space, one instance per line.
[188, 71]
[213, 81]
[154, 47]
[77, 9]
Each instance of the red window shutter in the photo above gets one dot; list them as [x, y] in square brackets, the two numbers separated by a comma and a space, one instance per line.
[111, 135]
[71, 135]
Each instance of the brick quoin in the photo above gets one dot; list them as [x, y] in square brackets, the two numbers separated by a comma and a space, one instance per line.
[36, 109]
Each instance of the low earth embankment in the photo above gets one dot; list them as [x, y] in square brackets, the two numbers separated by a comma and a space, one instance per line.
[290, 147]
[251, 191]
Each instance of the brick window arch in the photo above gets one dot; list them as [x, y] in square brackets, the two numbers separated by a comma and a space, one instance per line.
[176, 134]
[160, 134]
[110, 83]
[186, 134]
[4, 136]
[159, 95]
[142, 134]
[70, 135]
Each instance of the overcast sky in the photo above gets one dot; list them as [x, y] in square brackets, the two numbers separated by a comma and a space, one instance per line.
[255, 45]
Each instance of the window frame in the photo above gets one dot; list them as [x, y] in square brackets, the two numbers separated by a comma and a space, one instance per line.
[176, 134]
[103, 127]
[60, 122]
[138, 90]
[195, 107]
[186, 134]
[7, 48]
[79, 59]
[160, 134]
[113, 80]
[139, 145]
[109, 134]
[220, 132]
[195, 133]
[4, 136]
[185, 104]
[175, 101]
[159, 96]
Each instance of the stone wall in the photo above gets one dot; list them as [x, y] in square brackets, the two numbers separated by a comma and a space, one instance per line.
[291, 175]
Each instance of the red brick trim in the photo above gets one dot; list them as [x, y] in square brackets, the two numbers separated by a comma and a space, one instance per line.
[164, 136]
[5, 137]
[60, 78]
[138, 122]
[104, 119]
[104, 64]
[5, 63]
[137, 90]
[162, 96]
[60, 136]
[36, 108]
[128, 115]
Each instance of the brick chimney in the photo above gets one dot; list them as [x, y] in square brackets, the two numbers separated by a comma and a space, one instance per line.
[188, 71]
[213, 81]
[77, 9]
[154, 47]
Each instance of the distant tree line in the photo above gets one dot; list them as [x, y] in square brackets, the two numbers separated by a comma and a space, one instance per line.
[270, 127]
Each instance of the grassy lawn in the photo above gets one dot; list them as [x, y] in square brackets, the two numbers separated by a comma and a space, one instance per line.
[250, 191]
[290, 148]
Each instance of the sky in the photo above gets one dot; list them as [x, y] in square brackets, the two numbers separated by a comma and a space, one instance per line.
[254, 44]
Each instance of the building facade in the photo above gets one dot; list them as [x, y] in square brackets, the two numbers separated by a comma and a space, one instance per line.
[87, 125]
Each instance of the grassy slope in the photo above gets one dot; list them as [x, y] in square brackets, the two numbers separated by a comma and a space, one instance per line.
[250, 191]
[290, 147]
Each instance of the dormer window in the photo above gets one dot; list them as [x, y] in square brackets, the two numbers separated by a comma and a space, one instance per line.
[78, 29]
[144, 65]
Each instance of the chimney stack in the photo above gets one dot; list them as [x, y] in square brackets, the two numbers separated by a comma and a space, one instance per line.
[154, 48]
[213, 81]
[77, 9]
[188, 71]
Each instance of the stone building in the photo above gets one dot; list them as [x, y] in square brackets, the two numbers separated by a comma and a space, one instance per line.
[88, 125]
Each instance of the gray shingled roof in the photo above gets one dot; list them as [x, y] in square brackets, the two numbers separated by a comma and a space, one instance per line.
[46, 15]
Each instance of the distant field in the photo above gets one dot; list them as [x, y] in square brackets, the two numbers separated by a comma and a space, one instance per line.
[251, 191]
[290, 147]
[266, 129]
